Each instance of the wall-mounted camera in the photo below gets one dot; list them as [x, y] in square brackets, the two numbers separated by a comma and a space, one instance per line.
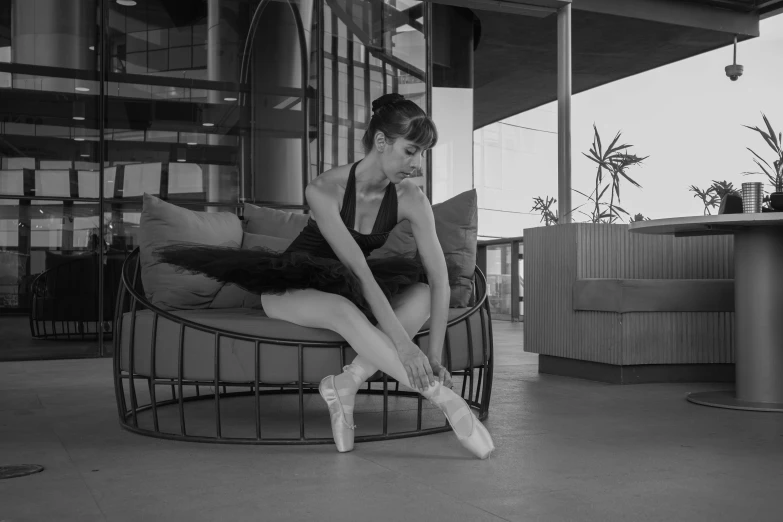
[734, 71]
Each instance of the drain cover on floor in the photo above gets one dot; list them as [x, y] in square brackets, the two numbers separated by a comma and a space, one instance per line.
[19, 471]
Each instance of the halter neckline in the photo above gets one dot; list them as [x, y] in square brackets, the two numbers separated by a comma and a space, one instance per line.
[387, 212]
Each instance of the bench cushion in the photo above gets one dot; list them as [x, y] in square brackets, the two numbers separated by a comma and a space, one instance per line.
[278, 364]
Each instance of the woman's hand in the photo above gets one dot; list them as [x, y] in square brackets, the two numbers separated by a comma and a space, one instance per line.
[441, 373]
[416, 365]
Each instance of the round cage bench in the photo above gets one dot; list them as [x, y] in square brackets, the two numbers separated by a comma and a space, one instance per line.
[237, 376]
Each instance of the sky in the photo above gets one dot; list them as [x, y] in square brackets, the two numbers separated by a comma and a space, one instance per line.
[688, 118]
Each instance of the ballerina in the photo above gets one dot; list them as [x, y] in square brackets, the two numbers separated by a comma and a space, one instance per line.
[324, 279]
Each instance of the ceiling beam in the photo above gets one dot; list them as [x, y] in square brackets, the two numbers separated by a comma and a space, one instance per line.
[534, 8]
[676, 12]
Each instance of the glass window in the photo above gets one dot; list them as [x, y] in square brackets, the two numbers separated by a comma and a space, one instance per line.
[179, 124]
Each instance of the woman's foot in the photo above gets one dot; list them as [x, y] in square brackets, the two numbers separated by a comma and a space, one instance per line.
[468, 429]
[339, 392]
[342, 428]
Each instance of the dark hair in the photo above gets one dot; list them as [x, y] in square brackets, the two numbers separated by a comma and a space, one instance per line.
[397, 117]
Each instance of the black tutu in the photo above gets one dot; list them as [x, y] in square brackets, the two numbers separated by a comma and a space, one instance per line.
[264, 271]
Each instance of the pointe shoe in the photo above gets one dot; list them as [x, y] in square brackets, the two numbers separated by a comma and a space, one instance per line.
[342, 432]
[478, 441]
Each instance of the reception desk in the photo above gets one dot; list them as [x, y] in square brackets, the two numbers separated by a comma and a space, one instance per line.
[606, 304]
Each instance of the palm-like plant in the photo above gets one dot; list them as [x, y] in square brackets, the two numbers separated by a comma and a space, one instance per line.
[724, 188]
[708, 197]
[544, 207]
[612, 165]
[774, 172]
[712, 195]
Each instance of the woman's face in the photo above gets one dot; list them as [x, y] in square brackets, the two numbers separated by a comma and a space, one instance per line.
[401, 159]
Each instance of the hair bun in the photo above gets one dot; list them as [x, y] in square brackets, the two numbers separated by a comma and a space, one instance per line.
[386, 99]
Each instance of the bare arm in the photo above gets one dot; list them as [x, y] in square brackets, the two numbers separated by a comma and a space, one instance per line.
[418, 211]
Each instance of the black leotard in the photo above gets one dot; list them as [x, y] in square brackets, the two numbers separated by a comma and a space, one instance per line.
[311, 240]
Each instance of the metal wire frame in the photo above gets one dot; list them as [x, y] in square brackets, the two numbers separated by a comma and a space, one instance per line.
[131, 300]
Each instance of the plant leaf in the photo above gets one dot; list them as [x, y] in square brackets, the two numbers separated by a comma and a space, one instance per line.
[759, 157]
[771, 132]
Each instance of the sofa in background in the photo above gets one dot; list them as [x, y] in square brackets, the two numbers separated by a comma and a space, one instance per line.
[64, 303]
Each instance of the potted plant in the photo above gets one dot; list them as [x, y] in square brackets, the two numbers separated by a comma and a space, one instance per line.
[713, 196]
[774, 172]
[613, 164]
[612, 167]
[548, 217]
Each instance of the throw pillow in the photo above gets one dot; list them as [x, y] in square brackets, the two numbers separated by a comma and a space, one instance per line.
[273, 222]
[456, 223]
[162, 223]
[278, 244]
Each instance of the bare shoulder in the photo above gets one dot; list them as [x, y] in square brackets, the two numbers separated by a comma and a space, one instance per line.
[411, 201]
[331, 184]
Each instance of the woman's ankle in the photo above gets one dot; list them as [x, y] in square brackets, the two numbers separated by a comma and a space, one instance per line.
[359, 371]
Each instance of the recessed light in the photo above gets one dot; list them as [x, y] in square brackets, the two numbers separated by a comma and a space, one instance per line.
[208, 124]
[82, 89]
[181, 160]
[78, 139]
[127, 3]
[229, 98]
[91, 48]
[192, 143]
[78, 111]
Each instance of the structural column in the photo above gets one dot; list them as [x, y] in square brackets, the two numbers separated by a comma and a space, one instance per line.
[224, 38]
[564, 114]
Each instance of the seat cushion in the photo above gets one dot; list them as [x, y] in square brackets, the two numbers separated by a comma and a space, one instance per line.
[161, 223]
[278, 363]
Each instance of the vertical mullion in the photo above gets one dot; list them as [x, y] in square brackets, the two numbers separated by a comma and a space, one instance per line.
[428, 79]
[101, 161]
[320, 87]
[335, 92]
[514, 281]
[349, 101]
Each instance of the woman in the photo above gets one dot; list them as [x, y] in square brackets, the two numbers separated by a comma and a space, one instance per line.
[324, 279]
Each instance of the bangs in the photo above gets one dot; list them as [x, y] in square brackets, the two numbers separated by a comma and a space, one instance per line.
[422, 133]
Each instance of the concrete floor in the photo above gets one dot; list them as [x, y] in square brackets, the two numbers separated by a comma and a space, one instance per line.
[567, 450]
[18, 344]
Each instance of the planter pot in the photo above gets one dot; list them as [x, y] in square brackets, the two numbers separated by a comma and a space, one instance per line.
[603, 303]
[776, 200]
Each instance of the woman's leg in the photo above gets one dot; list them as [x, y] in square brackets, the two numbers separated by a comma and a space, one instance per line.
[314, 308]
[412, 308]
[317, 309]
